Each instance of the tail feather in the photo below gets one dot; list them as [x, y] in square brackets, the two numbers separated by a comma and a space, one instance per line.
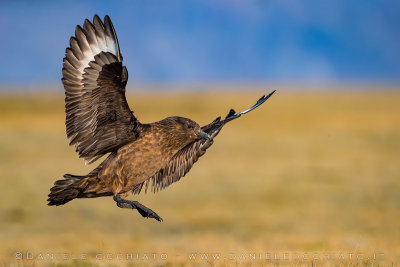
[74, 186]
[66, 190]
[71, 176]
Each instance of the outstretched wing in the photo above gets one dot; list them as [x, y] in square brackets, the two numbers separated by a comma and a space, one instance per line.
[98, 118]
[183, 160]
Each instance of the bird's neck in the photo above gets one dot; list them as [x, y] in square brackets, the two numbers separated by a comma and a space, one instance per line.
[168, 140]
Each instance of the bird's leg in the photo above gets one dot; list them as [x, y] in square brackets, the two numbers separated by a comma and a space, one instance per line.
[128, 204]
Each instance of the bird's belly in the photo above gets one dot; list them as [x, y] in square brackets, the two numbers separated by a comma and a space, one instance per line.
[136, 165]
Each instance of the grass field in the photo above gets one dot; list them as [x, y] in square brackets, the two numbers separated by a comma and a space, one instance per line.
[308, 175]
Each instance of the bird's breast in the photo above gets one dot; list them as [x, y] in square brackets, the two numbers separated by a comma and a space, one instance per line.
[140, 160]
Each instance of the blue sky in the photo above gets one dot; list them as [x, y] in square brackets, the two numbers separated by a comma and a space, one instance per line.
[204, 41]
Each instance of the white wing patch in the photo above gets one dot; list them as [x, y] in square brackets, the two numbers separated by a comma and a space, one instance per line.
[90, 41]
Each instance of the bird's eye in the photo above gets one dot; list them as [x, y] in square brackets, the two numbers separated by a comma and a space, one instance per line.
[189, 126]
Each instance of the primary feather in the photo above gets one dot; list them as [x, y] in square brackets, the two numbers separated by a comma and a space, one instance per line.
[98, 118]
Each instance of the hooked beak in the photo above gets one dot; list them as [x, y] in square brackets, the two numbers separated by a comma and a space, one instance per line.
[204, 135]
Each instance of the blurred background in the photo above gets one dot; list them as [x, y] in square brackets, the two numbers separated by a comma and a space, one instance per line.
[212, 41]
[315, 170]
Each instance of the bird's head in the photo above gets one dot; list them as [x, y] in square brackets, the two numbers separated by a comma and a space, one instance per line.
[184, 130]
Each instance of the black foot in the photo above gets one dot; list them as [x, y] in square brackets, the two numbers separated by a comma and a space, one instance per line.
[144, 211]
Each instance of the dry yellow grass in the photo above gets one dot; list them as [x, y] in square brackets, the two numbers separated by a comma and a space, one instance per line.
[308, 172]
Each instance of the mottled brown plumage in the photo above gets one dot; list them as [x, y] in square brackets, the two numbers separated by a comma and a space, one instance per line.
[99, 122]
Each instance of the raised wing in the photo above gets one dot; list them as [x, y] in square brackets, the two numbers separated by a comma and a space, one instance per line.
[183, 160]
[98, 118]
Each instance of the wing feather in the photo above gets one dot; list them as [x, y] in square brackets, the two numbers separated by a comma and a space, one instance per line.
[98, 118]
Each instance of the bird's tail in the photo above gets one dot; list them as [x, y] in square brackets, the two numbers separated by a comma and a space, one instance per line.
[74, 186]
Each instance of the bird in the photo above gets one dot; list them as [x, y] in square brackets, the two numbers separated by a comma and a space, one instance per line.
[99, 122]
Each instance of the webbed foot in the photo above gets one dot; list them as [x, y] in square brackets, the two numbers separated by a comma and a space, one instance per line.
[143, 210]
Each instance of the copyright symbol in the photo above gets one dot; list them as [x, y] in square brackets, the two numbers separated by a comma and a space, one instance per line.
[18, 255]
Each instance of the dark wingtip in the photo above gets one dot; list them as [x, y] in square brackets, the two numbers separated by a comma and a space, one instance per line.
[78, 29]
[231, 113]
[270, 94]
[265, 97]
[97, 19]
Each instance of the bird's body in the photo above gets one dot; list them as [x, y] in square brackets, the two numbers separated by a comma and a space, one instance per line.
[135, 162]
[99, 122]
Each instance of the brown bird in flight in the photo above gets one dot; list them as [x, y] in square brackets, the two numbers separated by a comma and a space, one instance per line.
[99, 122]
